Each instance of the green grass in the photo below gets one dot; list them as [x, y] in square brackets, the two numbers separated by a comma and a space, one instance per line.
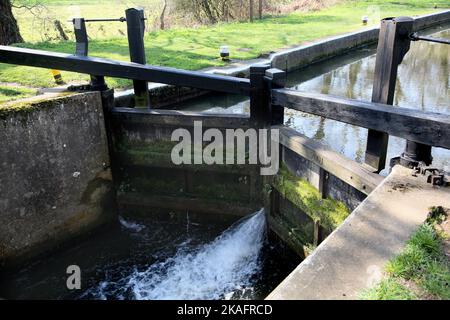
[9, 93]
[196, 48]
[389, 289]
[423, 263]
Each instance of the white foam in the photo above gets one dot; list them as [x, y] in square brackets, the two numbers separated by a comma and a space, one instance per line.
[213, 271]
[131, 225]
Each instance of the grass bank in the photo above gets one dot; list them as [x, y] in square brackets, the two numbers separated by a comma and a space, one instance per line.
[422, 270]
[196, 48]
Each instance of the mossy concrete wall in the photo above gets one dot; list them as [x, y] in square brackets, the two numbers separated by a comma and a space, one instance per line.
[298, 212]
[54, 173]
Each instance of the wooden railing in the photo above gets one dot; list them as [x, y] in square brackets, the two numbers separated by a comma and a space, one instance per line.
[268, 98]
[424, 127]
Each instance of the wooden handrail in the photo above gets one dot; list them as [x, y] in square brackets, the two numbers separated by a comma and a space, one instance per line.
[126, 70]
[425, 127]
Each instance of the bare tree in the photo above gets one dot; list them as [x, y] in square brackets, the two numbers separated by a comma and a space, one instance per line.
[260, 9]
[9, 29]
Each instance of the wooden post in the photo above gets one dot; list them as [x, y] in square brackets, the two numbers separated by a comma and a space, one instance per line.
[276, 79]
[318, 233]
[323, 182]
[260, 113]
[82, 49]
[135, 30]
[393, 44]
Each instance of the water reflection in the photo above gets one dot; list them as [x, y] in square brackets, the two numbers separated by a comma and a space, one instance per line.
[422, 83]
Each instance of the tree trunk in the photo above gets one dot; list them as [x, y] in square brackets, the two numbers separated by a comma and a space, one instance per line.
[163, 13]
[60, 29]
[251, 10]
[9, 30]
[260, 9]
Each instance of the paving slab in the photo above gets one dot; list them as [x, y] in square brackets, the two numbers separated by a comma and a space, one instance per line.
[353, 257]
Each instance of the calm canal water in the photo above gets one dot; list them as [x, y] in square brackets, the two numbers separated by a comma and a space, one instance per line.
[423, 83]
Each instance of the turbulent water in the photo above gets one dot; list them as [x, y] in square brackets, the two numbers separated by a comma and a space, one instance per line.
[222, 269]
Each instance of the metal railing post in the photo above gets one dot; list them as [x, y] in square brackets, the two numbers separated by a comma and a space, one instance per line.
[135, 30]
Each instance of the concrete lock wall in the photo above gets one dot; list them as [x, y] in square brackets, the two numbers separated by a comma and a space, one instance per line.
[55, 181]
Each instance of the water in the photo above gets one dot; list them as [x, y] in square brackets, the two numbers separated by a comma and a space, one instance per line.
[223, 268]
[423, 83]
[147, 258]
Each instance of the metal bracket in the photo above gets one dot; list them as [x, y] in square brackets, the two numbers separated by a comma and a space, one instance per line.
[87, 87]
[434, 176]
[415, 37]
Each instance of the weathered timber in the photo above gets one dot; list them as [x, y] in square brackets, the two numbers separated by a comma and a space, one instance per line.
[336, 164]
[429, 128]
[135, 31]
[180, 118]
[393, 44]
[276, 79]
[164, 162]
[126, 70]
[260, 108]
[180, 203]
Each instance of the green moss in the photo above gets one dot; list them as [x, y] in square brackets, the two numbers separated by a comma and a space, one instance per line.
[158, 153]
[328, 212]
[299, 239]
[24, 108]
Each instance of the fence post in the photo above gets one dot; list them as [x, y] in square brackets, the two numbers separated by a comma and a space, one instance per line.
[393, 44]
[260, 113]
[276, 79]
[135, 31]
[82, 49]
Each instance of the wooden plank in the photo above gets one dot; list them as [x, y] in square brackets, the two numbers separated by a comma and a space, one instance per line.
[429, 128]
[393, 44]
[329, 160]
[180, 118]
[121, 69]
[164, 162]
[194, 205]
